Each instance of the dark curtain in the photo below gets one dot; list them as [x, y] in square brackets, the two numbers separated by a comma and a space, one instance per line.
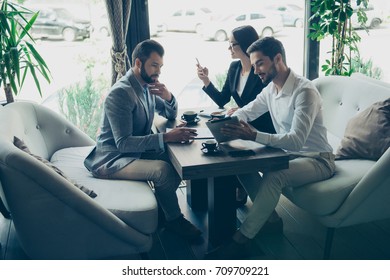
[118, 12]
[139, 24]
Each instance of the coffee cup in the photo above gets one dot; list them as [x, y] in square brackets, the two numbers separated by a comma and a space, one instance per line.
[189, 116]
[217, 115]
[210, 145]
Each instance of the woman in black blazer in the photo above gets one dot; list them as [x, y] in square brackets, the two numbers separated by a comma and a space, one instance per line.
[241, 83]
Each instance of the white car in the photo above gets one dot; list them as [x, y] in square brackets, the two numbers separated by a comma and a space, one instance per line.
[374, 17]
[292, 14]
[220, 30]
[185, 20]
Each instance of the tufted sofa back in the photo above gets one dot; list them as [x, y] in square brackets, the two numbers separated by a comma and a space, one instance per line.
[43, 131]
[344, 97]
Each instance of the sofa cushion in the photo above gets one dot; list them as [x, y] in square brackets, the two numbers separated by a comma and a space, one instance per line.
[367, 135]
[21, 145]
[324, 197]
[131, 201]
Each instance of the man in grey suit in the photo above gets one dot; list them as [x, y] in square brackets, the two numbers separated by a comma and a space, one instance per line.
[126, 148]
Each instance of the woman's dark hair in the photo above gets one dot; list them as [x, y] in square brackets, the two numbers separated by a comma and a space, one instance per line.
[143, 50]
[245, 35]
[269, 46]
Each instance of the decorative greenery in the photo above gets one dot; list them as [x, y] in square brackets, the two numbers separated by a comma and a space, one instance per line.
[82, 104]
[220, 80]
[333, 18]
[18, 55]
[366, 67]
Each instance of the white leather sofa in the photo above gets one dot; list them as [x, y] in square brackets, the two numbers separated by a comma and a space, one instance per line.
[359, 191]
[53, 218]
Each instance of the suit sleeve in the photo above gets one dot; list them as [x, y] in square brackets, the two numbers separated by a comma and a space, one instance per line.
[120, 110]
[167, 109]
[221, 97]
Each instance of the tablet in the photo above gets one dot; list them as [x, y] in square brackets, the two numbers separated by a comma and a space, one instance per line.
[216, 125]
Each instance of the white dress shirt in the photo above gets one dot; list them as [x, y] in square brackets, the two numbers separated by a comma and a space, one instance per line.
[296, 113]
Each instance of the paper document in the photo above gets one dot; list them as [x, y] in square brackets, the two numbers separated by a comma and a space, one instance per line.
[207, 112]
[203, 133]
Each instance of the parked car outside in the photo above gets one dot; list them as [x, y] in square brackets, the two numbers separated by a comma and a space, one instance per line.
[185, 20]
[60, 23]
[101, 27]
[220, 29]
[374, 17]
[292, 14]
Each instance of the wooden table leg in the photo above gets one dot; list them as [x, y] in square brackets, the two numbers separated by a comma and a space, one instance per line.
[222, 218]
[197, 191]
[197, 194]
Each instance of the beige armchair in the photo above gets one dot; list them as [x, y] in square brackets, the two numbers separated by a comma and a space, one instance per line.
[53, 218]
[359, 191]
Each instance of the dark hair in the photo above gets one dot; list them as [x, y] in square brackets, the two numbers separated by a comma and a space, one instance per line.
[143, 50]
[245, 35]
[269, 46]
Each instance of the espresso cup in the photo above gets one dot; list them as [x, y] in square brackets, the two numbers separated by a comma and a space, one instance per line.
[189, 116]
[217, 115]
[210, 145]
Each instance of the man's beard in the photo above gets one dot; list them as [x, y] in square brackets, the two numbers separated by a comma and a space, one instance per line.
[148, 79]
[270, 75]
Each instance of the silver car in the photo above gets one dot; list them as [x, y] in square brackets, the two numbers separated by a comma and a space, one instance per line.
[185, 20]
[219, 30]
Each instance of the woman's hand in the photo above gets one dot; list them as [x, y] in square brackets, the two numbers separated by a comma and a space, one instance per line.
[203, 74]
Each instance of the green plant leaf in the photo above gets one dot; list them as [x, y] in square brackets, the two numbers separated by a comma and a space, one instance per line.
[32, 71]
[28, 26]
[17, 56]
[44, 69]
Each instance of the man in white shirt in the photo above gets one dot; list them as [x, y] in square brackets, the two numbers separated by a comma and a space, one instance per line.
[295, 107]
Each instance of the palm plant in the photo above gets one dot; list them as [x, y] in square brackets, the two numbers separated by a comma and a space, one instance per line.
[18, 56]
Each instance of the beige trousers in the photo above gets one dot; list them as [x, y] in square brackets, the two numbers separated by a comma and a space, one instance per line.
[165, 180]
[265, 190]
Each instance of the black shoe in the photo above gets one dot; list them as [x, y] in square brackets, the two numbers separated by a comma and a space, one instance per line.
[231, 250]
[272, 228]
[183, 228]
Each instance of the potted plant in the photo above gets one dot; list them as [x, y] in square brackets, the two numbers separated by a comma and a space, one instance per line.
[18, 56]
[333, 18]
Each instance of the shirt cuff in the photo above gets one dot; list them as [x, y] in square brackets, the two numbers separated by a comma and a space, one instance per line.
[263, 138]
[161, 141]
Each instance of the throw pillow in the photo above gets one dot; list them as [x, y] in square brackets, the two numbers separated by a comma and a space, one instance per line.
[21, 145]
[367, 135]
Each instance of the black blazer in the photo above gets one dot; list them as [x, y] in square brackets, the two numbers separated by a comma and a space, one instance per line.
[252, 87]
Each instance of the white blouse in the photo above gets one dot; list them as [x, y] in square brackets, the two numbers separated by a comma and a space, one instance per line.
[241, 84]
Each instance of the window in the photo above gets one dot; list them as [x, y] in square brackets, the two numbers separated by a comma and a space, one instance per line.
[209, 44]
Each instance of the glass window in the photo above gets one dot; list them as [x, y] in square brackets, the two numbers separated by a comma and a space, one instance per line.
[78, 59]
[209, 43]
[241, 18]
[373, 45]
[257, 16]
[190, 13]
[178, 13]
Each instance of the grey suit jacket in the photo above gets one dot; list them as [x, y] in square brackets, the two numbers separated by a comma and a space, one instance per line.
[126, 129]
